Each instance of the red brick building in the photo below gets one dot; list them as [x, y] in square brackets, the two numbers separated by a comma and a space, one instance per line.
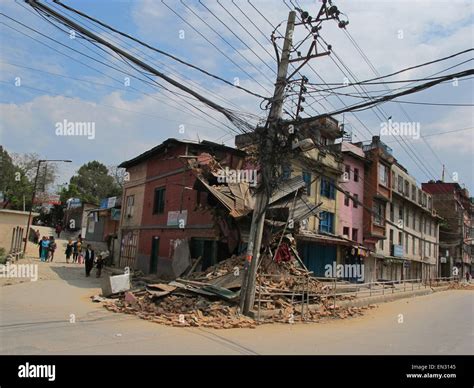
[164, 206]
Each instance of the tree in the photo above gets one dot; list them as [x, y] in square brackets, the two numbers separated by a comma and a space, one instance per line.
[93, 182]
[28, 162]
[14, 183]
[118, 174]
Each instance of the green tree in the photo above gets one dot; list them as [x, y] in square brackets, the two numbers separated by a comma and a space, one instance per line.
[14, 183]
[92, 183]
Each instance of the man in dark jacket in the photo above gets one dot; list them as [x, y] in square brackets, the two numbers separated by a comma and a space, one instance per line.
[89, 259]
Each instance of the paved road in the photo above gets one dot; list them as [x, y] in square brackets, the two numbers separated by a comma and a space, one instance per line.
[35, 318]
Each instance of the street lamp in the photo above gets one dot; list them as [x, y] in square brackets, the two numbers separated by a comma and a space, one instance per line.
[34, 194]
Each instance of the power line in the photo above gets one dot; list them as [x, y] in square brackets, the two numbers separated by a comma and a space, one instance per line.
[156, 49]
[231, 116]
[216, 47]
[107, 75]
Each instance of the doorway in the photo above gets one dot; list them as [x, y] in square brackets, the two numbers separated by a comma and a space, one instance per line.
[155, 248]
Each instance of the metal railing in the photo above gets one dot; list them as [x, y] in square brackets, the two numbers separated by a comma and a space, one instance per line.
[301, 294]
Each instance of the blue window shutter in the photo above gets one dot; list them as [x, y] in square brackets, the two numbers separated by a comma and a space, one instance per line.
[330, 222]
[307, 180]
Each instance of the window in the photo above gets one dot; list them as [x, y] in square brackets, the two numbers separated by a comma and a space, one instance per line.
[393, 180]
[355, 233]
[328, 188]
[407, 189]
[419, 197]
[414, 220]
[345, 231]
[392, 212]
[413, 246]
[429, 249]
[286, 171]
[391, 236]
[429, 227]
[356, 175]
[400, 184]
[379, 213]
[346, 199]
[307, 180]
[159, 200]
[347, 175]
[413, 192]
[130, 205]
[381, 244]
[400, 214]
[430, 203]
[383, 174]
[424, 200]
[406, 243]
[326, 222]
[356, 201]
[407, 212]
[400, 238]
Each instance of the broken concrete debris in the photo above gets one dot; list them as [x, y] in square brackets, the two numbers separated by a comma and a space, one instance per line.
[285, 293]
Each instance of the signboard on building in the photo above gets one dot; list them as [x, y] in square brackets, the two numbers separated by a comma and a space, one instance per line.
[73, 203]
[176, 218]
[397, 250]
[108, 203]
[47, 199]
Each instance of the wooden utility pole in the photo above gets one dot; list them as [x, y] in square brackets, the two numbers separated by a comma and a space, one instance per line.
[263, 196]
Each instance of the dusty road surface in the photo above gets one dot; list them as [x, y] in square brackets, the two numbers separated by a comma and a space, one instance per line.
[54, 315]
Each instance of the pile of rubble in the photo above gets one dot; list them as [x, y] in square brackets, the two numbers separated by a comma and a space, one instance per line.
[211, 298]
[182, 310]
[461, 286]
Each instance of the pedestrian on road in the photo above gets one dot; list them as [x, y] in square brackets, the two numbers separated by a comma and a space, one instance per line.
[69, 250]
[99, 265]
[468, 277]
[44, 248]
[79, 251]
[36, 238]
[89, 259]
[52, 248]
[58, 230]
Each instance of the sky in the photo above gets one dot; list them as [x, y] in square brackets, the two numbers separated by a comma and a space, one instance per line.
[50, 78]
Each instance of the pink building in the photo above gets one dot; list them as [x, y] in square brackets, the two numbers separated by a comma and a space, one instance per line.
[350, 216]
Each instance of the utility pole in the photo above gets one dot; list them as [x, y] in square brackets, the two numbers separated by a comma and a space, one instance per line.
[33, 196]
[32, 204]
[263, 197]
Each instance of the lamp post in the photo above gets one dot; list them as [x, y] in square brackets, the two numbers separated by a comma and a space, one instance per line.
[34, 195]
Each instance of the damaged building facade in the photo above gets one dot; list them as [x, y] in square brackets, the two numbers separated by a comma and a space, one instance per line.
[167, 215]
[189, 205]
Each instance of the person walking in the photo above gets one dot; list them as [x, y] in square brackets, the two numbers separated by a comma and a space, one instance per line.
[80, 257]
[44, 249]
[36, 238]
[100, 264]
[59, 229]
[69, 250]
[52, 248]
[89, 259]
